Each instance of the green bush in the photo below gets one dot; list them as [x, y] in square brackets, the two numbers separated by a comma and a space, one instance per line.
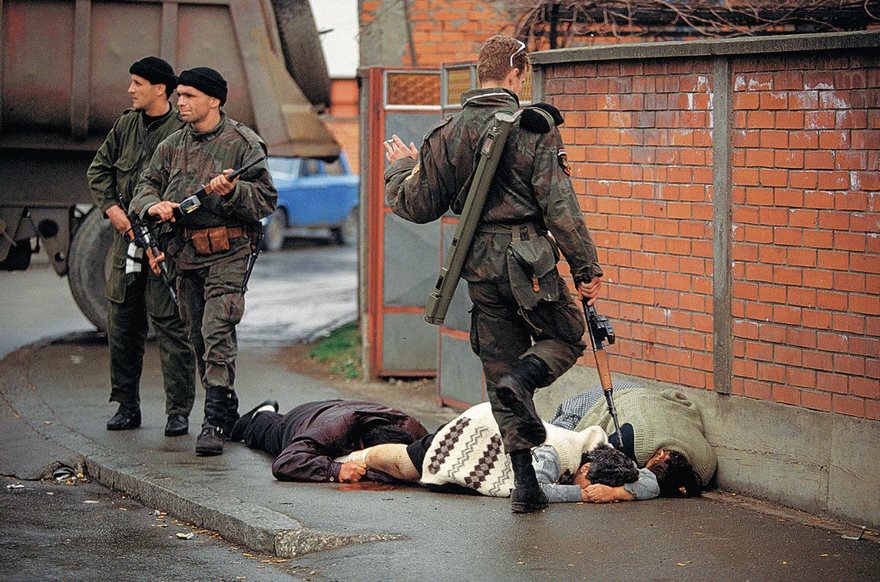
[342, 351]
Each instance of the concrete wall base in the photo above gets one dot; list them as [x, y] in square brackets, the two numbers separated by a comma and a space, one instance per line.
[808, 460]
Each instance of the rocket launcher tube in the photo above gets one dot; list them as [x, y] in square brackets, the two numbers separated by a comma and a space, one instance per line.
[490, 154]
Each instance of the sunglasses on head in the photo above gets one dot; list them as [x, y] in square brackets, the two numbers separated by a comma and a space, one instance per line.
[522, 47]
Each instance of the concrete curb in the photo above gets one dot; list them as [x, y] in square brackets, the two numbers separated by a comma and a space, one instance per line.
[253, 526]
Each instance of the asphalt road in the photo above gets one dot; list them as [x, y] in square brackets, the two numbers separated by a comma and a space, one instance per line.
[78, 530]
[364, 533]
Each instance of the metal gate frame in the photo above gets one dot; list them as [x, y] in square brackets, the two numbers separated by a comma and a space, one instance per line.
[377, 102]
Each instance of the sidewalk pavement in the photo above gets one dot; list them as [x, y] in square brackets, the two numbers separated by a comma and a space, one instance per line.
[53, 409]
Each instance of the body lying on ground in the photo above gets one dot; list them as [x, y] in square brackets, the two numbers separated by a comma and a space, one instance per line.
[468, 453]
[661, 430]
[306, 441]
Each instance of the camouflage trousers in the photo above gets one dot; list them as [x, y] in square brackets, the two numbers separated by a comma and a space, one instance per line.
[211, 304]
[502, 333]
[127, 335]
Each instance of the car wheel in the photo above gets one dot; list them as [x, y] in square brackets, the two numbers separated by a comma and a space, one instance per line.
[347, 232]
[273, 234]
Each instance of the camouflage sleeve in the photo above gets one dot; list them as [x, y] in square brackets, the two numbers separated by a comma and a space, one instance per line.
[101, 175]
[254, 196]
[421, 191]
[153, 181]
[562, 214]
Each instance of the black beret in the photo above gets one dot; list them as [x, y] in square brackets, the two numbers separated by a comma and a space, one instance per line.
[206, 80]
[155, 70]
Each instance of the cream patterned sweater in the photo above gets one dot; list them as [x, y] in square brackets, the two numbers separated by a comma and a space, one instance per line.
[468, 451]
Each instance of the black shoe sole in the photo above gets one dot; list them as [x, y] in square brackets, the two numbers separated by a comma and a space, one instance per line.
[525, 507]
[127, 427]
[131, 425]
[208, 452]
[176, 433]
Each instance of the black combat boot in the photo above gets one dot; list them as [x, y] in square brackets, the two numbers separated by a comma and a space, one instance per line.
[527, 495]
[237, 433]
[127, 417]
[210, 440]
[515, 390]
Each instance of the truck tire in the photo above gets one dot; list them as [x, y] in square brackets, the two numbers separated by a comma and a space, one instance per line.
[347, 232]
[273, 233]
[89, 251]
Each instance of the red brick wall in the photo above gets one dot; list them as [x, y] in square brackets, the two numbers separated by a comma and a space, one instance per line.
[807, 254]
[639, 138]
[806, 176]
[447, 31]
[342, 119]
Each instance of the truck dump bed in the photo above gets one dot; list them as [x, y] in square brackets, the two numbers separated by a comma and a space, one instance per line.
[63, 79]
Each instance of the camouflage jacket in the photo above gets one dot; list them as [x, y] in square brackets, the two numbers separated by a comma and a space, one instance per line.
[186, 161]
[531, 186]
[118, 165]
[124, 153]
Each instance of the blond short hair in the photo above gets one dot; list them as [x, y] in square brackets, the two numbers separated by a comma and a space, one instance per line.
[494, 61]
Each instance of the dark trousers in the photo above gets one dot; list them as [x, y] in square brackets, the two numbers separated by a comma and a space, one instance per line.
[502, 333]
[268, 431]
[211, 305]
[127, 335]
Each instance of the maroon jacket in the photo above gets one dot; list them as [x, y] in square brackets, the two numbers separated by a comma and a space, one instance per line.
[318, 432]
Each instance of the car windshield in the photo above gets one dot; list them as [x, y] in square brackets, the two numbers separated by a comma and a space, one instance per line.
[285, 167]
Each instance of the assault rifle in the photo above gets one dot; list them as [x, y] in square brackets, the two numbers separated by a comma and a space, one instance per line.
[140, 234]
[601, 331]
[192, 203]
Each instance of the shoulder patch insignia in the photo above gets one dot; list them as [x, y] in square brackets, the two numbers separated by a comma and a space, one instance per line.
[562, 156]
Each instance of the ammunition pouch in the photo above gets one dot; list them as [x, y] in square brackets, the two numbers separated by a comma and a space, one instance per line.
[531, 268]
[208, 241]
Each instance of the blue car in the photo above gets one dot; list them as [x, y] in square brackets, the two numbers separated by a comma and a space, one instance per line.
[314, 198]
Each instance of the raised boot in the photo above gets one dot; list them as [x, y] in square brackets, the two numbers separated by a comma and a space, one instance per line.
[515, 390]
[527, 495]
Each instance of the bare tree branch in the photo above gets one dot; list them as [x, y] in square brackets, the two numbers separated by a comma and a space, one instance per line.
[570, 21]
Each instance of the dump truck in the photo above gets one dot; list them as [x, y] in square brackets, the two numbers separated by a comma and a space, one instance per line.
[63, 79]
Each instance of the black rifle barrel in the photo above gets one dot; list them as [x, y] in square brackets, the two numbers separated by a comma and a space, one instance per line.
[193, 202]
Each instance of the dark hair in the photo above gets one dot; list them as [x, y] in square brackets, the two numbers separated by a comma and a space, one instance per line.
[676, 477]
[382, 434]
[611, 467]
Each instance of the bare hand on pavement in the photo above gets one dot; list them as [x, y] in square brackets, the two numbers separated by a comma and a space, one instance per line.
[352, 471]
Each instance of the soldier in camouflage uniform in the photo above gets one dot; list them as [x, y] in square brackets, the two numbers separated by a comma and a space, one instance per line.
[211, 246]
[523, 343]
[133, 291]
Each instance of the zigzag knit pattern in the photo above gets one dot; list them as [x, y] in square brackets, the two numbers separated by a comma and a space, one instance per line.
[468, 452]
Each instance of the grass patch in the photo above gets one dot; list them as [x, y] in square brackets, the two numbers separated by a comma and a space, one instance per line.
[341, 352]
